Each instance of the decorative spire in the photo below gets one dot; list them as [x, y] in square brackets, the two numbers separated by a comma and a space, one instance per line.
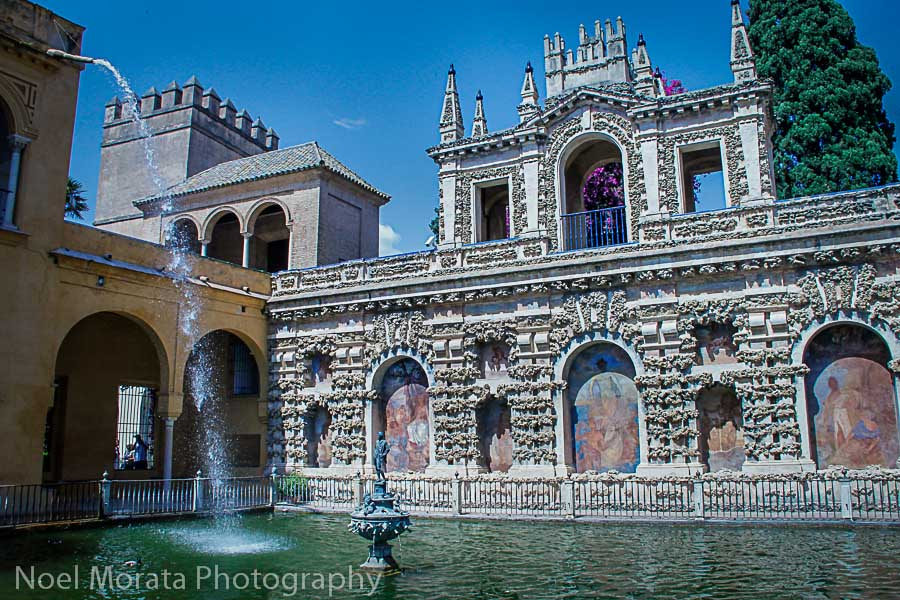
[479, 124]
[451, 127]
[643, 69]
[529, 106]
[743, 65]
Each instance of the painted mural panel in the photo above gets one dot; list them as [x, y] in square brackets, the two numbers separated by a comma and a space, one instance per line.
[405, 391]
[494, 360]
[850, 399]
[495, 435]
[318, 435]
[721, 429]
[715, 344]
[604, 402]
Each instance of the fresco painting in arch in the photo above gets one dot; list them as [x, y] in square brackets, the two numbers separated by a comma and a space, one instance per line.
[405, 391]
[494, 360]
[495, 435]
[850, 398]
[604, 405]
[721, 429]
[319, 436]
[715, 344]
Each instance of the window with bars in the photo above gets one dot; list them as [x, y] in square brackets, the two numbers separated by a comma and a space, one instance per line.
[245, 377]
[134, 427]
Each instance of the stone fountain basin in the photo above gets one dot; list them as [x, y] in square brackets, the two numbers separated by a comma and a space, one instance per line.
[379, 526]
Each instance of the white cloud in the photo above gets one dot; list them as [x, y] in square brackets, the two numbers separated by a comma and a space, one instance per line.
[348, 123]
[387, 240]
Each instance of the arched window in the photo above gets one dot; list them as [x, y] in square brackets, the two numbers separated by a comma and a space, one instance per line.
[183, 234]
[593, 202]
[271, 240]
[603, 405]
[402, 414]
[225, 241]
[11, 147]
[850, 398]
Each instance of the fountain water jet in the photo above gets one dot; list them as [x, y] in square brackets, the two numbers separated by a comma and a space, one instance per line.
[200, 368]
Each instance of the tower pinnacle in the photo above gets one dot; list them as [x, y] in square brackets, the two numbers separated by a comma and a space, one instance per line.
[743, 65]
[451, 126]
[479, 124]
[529, 106]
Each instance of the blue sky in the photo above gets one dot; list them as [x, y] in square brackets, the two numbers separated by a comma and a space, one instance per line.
[366, 79]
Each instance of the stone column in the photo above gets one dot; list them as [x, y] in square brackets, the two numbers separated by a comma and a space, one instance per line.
[245, 257]
[16, 143]
[168, 445]
[204, 247]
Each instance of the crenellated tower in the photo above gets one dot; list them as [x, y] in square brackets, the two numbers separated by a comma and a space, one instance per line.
[601, 58]
[193, 130]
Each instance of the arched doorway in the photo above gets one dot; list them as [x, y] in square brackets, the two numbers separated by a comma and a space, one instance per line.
[183, 234]
[225, 240]
[402, 413]
[850, 398]
[494, 427]
[593, 196]
[219, 430]
[270, 243]
[109, 370]
[721, 425]
[602, 401]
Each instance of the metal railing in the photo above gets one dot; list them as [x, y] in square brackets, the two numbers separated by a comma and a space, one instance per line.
[819, 497]
[594, 228]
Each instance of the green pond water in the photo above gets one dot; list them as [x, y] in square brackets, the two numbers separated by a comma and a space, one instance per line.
[456, 559]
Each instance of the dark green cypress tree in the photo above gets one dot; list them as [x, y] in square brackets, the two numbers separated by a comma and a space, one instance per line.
[831, 130]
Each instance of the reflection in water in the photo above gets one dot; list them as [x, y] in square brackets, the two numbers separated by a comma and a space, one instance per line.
[459, 559]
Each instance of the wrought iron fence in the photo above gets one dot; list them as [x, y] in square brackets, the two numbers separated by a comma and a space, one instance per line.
[595, 228]
[820, 497]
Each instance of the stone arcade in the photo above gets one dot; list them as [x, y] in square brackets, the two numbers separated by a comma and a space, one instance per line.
[544, 336]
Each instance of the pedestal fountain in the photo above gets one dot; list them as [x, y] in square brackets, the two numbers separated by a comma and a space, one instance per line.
[377, 520]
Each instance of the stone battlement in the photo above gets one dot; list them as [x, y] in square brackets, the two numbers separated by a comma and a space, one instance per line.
[602, 57]
[192, 95]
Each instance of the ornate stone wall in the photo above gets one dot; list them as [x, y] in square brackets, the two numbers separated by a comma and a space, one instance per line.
[768, 301]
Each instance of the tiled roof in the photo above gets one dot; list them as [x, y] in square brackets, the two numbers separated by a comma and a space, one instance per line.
[268, 164]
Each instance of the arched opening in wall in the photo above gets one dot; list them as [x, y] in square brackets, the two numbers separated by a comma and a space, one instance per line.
[602, 403]
[492, 211]
[721, 426]
[108, 372]
[225, 240]
[183, 234]
[494, 434]
[6, 129]
[271, 240]
[493, 360]
[402, 413]
[715, 344]
[318, 437]
[850, 398]
[219, 430]
[593, 188]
